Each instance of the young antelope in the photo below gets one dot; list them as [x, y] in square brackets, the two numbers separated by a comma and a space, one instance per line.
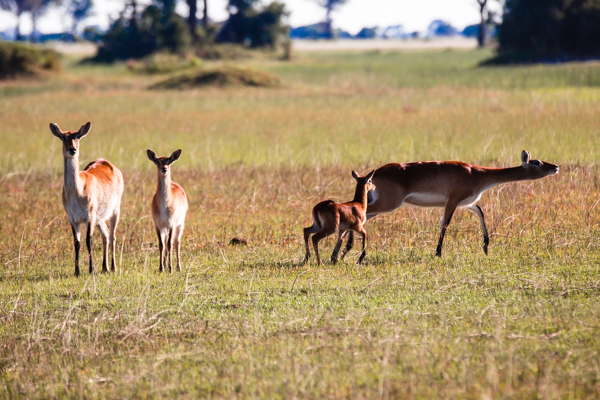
[169, 206]
[329, 216]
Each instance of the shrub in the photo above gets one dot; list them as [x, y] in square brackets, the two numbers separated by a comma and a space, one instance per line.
[552, 30]
[20, 59]
[160, 63]
[141, 36]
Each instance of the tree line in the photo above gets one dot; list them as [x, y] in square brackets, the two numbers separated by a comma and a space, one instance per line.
[528, 30]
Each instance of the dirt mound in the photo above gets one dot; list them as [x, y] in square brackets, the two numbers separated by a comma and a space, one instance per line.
[221, 77]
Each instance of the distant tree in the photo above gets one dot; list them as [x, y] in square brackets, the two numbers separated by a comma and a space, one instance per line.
[192, 19]
[37, 8]
[251, 26]
[329, 6]
[482, 22]
[78, 10]
[136, 35]
[551, 29]
[441, 28]
[367, 33]
[92, 34]
[17, 7]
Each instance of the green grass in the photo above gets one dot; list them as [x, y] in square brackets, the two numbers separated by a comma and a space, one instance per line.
[425, 69]
[250, 322]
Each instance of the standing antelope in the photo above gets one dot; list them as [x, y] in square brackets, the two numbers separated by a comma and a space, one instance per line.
[446, 184]
[329, 216]
[169, 206]
[90, 197]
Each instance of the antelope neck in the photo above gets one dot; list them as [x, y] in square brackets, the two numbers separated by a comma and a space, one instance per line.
[164, 186]
[496, 176]
[360, 195]
[72, 180]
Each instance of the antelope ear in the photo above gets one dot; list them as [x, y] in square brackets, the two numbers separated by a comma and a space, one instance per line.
[152, 156]
[175, 156]
[370, 175]
[84, 130]
[54, 128]
[525, 157]
[354, 175]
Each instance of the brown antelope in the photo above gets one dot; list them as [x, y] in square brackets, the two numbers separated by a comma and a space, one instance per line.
[91, 197]
[446, 184]
[329, 216]
[169, 206]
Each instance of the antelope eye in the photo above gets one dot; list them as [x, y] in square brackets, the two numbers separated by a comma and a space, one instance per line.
[536, 162]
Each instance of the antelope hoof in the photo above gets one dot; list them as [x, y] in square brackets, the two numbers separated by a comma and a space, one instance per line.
[361, 258]
[438, 252]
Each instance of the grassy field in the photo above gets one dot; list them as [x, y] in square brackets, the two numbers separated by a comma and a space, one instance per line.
[251, 322]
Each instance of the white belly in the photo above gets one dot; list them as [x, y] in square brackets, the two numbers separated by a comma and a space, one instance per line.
[426, 199]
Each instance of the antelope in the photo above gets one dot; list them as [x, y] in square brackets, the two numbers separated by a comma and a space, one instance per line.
[169, 206]
[329, 216]
[446, 184]
[91, 197]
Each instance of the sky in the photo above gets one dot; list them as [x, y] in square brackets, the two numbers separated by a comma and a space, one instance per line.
[414, 15]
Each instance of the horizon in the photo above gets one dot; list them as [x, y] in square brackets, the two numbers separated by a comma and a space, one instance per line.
[350, 17]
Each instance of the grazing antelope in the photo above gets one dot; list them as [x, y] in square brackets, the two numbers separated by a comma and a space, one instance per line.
[329, 216]
[90, 197]
[446, 184]
[169, 206]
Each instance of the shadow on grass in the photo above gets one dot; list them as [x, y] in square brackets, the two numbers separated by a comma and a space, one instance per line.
[531, 57]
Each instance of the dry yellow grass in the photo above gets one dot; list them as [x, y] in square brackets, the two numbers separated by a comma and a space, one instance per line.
[250, 322]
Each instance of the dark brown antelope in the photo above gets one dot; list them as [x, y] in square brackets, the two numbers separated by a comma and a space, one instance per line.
[169, 206]
[446, 184]
[91, 197]
[329, 216]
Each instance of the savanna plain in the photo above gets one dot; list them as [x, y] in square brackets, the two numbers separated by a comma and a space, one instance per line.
[252, 321]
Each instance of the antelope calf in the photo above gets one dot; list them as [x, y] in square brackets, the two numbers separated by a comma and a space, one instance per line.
[329, 216]
[91, 197]
[169, 206]
[446, 184]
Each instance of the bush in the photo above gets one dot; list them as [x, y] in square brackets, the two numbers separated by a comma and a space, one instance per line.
[255, 28]
[20, 59]
[160, 63]
[139, 37]
[551, 30]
